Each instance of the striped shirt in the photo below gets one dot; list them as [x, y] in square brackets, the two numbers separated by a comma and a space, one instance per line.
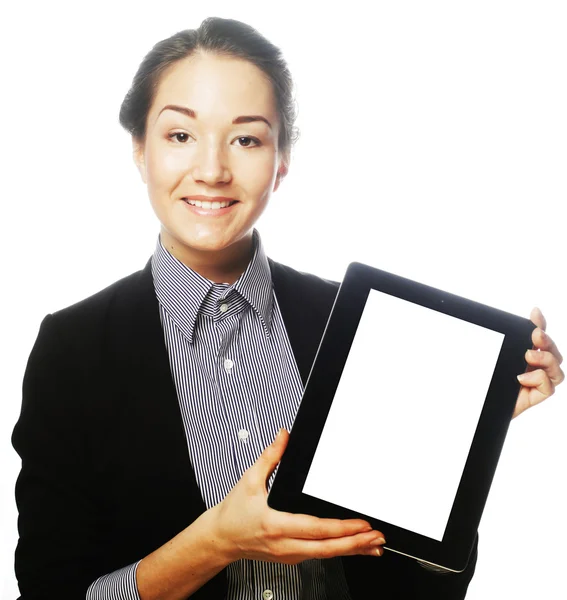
[237, 383]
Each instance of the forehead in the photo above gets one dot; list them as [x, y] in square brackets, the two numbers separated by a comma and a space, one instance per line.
[214, 85]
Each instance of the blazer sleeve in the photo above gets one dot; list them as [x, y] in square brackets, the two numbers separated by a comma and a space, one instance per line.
[61, 549]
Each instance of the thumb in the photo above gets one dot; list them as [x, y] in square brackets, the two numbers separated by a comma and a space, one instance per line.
[272, 455]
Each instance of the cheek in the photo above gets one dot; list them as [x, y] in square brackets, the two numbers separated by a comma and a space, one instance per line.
[166, 168]
[260, 175]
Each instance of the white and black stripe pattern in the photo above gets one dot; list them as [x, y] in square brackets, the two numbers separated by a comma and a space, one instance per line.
[258, 394]
[118, 585]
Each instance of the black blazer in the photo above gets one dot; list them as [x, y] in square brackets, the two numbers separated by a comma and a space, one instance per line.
[106, 477]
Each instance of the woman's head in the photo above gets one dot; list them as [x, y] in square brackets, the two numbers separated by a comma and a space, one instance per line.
[223, 37]
[211, 114]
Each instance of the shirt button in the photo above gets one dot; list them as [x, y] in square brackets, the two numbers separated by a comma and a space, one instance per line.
[228, 364]
[243, 436]
[267, 594]
[223, 307]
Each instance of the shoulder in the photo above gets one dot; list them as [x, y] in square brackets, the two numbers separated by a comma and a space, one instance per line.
[96, 307]
[302, 295]
[81, 324]
[286, 275]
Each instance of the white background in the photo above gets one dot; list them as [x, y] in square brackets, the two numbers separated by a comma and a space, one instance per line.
[433, 145]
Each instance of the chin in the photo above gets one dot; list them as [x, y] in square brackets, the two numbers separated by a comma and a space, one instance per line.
[205, 241]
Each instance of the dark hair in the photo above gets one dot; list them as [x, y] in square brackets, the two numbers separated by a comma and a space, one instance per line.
[225, 37]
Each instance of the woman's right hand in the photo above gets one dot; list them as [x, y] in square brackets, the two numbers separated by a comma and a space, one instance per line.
[244, 526]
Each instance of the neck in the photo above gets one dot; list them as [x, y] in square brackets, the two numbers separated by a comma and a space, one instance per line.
[219, 266]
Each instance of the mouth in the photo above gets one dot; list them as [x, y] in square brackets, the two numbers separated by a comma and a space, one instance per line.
[206, 205]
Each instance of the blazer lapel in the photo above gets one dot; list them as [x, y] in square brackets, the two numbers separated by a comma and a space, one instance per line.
[153, 446]
[305, 302]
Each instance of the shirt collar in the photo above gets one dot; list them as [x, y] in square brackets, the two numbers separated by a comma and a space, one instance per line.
[181, 291]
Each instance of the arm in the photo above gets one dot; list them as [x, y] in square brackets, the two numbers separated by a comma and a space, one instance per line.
[64, 549]
[176, 570]
[243, 526]
[65, 543]
[57, 522]
[65, 539]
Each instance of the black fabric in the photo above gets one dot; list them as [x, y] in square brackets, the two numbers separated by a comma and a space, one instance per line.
[106, 477]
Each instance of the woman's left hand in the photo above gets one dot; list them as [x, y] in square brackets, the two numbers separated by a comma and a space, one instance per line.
[543, 373]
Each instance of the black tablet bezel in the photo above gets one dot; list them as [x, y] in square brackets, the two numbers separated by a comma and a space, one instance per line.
[285, 494]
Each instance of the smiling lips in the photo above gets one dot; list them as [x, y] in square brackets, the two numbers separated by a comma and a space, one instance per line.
[210, 202]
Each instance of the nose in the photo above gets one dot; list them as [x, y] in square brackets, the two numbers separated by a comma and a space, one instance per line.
[211, 165]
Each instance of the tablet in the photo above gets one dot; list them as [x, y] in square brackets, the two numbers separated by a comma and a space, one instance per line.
[404, 414]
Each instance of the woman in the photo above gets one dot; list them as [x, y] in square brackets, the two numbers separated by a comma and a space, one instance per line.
[150, 409]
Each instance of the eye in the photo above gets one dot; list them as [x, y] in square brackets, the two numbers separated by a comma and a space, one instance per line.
[179, 136]
[247, 137]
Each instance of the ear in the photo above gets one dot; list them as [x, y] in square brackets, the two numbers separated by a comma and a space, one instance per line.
[282, 172]
[139, 157]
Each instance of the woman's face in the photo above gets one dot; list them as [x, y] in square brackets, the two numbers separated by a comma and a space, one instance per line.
[212, 131]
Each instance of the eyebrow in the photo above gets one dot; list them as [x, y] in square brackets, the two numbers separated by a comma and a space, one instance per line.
[191, 113]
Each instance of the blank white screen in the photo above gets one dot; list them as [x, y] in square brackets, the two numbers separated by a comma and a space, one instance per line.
[399, 430]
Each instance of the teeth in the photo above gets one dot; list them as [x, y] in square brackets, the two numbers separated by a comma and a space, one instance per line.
[208, 205]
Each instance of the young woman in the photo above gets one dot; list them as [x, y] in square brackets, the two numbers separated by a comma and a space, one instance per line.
[150, 409]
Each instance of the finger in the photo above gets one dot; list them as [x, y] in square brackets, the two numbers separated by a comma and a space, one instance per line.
[307, 527]
[363, 543]
[548, 362]
[269, 459]
[537, 318]
[537, 380]
[375, 551]
[543, 341]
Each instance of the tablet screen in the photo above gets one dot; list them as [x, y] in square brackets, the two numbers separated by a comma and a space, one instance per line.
[407, 404]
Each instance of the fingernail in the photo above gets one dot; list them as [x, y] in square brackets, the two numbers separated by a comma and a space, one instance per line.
[521, 377]
[379, 541]
[379, 551]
